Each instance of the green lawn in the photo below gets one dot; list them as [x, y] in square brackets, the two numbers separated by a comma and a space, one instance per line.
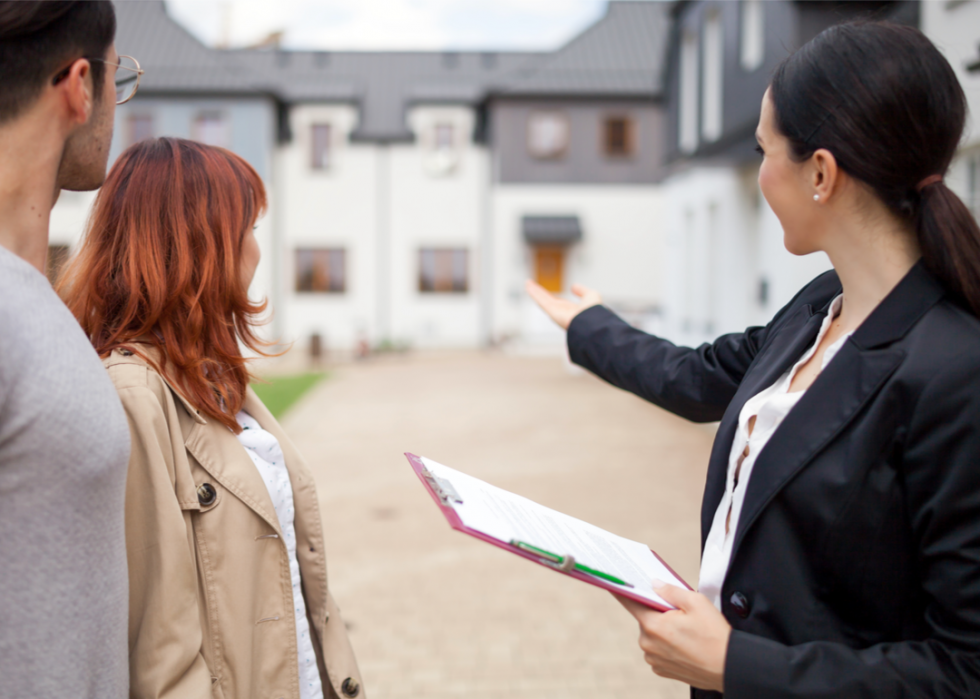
[280, 392]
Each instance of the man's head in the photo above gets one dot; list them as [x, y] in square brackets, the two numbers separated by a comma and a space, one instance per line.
[58, 54]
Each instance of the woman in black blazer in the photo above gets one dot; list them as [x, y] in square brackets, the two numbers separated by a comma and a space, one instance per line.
[854, 566]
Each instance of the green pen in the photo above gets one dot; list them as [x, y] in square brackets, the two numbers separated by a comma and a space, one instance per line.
[567, 563]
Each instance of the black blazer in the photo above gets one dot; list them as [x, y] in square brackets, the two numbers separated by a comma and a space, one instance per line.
[855, 570]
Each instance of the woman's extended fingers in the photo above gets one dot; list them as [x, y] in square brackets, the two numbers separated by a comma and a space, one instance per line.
[590, 297]
[560, 310]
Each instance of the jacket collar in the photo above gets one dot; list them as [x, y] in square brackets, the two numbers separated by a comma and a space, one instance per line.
[861, 367]
[218, 450]
[793, 338]
[152, 356]
[901, 310]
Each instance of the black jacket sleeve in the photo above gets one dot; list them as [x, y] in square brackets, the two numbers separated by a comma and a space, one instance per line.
[696, 384]
[940, 471]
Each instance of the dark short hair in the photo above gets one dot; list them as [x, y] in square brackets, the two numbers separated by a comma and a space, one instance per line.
[38, 38]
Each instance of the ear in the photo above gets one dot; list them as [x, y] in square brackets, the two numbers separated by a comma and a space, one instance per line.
[75, 92]
[825, 174]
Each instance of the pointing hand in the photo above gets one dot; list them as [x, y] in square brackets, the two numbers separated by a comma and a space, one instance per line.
[562, 311]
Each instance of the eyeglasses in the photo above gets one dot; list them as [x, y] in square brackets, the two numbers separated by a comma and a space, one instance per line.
[128, 74]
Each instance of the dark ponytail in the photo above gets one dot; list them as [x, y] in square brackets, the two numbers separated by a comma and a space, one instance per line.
[887, 104]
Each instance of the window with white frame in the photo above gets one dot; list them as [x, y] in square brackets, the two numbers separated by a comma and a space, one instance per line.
[444, 136]
[320, 146]
[212, 128]
[140, 127]
[753, 47]
[687, 112]
[548, 135]
[714, 68]
[321, 270]
[444, 270]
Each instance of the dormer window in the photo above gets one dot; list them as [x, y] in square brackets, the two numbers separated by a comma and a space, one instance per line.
[547, 135]
[320, 142]
[618, 140]
[444, 136]
[212, 128]
[441, 155]
[140, 127]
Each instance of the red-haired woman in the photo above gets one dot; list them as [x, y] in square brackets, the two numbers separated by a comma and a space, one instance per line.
[228, 580]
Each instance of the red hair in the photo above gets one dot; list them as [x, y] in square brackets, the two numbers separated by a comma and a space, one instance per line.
[160, 267]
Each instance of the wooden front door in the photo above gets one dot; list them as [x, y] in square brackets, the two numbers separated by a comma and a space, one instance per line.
[549, 266]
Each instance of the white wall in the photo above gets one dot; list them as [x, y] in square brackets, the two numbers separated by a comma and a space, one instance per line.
[69, 216]
[382, 203]
[436, 202]
[722, 241]
[331, 208]
[619, 253]
[955, 28]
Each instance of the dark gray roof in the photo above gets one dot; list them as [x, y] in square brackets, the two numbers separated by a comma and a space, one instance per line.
[621, 54]
[173, 59]
[383, 83]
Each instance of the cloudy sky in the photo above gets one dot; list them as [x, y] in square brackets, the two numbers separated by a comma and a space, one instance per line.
[390, 24]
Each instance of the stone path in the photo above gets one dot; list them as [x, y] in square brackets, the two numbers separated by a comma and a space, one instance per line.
[434, 613]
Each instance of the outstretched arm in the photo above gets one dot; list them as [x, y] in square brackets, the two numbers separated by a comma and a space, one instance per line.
[696, 384]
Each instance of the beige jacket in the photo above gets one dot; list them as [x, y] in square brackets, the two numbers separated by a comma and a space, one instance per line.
[210, 593]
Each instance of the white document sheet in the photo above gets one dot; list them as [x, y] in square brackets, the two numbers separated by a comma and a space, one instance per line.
[505, 517]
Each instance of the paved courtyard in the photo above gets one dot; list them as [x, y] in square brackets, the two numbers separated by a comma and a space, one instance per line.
[434, 613]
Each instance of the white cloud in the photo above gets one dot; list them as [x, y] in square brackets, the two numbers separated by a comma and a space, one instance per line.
[390, 24]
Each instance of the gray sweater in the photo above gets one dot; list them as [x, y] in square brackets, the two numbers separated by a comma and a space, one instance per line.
[64, 450]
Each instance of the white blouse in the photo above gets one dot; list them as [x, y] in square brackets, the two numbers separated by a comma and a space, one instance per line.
[769, 408]
[269, 460]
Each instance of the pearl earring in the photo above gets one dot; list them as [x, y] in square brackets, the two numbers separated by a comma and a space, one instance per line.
[816, 197]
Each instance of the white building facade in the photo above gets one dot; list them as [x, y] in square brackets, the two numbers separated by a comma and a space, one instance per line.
[726, 267]
[412, 193]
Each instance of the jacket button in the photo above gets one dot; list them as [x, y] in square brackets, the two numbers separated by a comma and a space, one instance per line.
[206, 494]
[740, 603]
[350, 687]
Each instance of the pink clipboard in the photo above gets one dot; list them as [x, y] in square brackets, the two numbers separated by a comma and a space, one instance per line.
[456, 523]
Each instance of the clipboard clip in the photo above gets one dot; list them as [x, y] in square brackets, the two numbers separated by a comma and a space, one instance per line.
[565, 564]
[443, 489]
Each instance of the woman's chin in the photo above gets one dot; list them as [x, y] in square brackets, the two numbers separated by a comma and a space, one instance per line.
[799, 247]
